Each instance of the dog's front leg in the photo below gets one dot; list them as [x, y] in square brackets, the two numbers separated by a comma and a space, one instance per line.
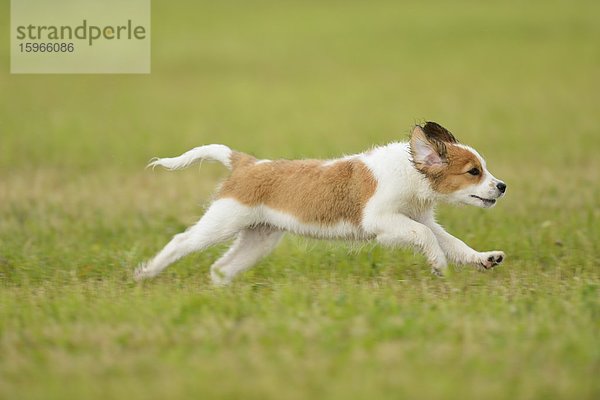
[457, 251]
[399, 230]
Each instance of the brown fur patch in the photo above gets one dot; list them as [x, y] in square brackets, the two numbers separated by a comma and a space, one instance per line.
[239, 159]
[454, 174]
[308, 189]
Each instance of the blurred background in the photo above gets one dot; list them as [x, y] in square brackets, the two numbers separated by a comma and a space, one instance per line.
[316, 78]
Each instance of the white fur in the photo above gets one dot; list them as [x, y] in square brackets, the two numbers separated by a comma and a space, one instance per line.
[211, 152]
[400, 213]
[289, 223]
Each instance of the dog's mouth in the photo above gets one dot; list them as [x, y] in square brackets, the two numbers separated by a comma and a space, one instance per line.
[487, 202]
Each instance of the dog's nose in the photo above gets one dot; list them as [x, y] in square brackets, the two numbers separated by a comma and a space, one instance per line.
[501, 187]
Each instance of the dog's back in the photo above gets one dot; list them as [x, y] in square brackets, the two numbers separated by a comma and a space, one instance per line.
[312, 191]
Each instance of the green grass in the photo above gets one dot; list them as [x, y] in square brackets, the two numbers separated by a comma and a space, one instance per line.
[78, 211]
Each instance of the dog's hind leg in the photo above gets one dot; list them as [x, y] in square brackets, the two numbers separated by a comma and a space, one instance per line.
[251, 245]
[222, 221]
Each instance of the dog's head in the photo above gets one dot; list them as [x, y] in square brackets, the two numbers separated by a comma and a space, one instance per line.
[455, 171]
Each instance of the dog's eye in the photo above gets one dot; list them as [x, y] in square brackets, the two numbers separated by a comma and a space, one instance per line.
[474, 171]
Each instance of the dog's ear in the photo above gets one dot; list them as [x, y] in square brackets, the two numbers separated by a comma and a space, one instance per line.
[426, 151]
[435, 131]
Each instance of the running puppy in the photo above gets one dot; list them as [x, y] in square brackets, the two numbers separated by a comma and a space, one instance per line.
[387, 194]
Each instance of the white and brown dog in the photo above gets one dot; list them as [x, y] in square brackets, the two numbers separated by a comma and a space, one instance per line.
[387, 194]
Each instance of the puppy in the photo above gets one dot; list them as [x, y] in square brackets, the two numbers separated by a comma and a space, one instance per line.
[387, 194]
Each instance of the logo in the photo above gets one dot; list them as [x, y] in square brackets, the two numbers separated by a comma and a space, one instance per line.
[80, 36]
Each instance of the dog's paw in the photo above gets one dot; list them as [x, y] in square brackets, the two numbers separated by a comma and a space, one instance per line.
[219, 279]
[140, 273]
[490, 259]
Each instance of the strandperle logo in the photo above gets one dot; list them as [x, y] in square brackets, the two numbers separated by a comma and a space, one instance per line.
[85, 31]
[80, 36]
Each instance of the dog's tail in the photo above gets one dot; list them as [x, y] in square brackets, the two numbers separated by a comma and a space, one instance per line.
[211, 152]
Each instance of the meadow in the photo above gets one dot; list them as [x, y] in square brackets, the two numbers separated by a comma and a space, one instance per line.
[519, 81]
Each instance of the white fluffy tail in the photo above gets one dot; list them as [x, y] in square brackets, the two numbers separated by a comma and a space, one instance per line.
[211, 152]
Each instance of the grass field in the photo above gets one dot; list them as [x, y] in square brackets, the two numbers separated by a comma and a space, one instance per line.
[520, 81]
